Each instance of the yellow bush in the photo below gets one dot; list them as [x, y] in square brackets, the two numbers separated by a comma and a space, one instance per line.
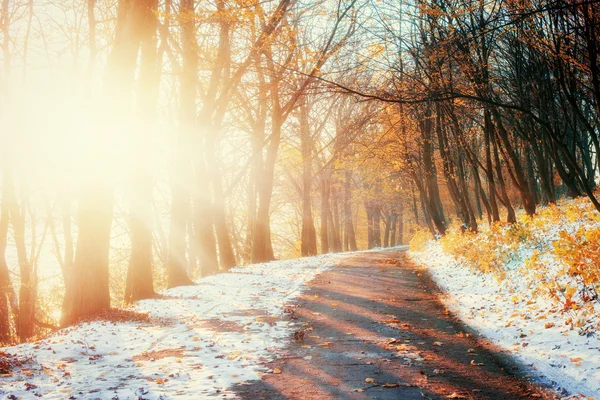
[581, 255]
[574, 286]
[419, 238]
[485, 251]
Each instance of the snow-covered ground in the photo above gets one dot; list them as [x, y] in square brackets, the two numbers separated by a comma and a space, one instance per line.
[532, 330]
[202, 340]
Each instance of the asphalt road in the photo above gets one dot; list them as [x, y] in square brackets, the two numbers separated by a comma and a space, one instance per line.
[374, 328]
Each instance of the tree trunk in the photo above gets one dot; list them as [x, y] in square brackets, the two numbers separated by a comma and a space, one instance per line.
[369, 212]
[400, 240]
[436, 210]
[6, 288]
[376, 226]
[336, 228]
[205, 237]
[516, 173]
[139, 283]
[325, 229]
[393, 222]
[87, 292]
[183, 169]
[511, 217]
[28, 289]
[349, 237]
[262, 249]
[180, 213]
[388, 226]
[309, 238]
[488, 129]
[226, 255]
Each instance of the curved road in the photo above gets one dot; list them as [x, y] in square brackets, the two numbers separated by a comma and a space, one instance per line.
[374, 328]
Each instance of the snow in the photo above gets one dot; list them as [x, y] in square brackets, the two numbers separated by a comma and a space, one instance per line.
[533, 330]
[202, 339]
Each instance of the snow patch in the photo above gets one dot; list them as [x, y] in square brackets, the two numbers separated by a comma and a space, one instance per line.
[206, 338]
[533, 331]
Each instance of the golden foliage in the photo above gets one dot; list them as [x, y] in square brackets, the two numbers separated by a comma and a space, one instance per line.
[486, 251]
[566, 269]
[419, 238]
[581, 253]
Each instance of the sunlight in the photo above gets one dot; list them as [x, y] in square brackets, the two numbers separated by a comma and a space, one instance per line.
[205, 172]
[69, 140]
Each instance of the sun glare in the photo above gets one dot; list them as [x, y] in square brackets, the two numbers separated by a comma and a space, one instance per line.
[62, 139]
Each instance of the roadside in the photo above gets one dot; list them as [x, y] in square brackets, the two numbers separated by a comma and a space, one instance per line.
[560, 346]
[374, 327]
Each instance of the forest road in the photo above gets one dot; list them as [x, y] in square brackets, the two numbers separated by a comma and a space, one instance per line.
[374, 327]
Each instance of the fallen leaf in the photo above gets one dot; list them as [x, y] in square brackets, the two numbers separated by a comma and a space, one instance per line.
[548, 325]
[276, 371]
[370, 380]
[437, 343]
[575, 360]
[476, 364]
[390, 385]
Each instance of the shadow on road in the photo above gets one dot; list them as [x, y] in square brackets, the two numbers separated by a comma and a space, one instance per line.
[374, 328]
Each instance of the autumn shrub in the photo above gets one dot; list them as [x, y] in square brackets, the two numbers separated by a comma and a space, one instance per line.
[580, 254]
[555, 254]
[486, 251]
[566, 265]
[419, 238]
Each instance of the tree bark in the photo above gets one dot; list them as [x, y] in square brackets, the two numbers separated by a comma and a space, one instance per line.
[325, 229]
[6, 288]
[308, 245]
[349, 235]
[139, 283]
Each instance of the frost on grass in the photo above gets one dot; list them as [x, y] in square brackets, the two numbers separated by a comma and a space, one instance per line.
[516, 286]
[198, 341]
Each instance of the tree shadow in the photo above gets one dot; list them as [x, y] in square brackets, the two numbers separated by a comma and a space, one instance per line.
[375, 321]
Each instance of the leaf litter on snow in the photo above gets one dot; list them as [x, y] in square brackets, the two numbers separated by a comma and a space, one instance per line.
[533, 330]
[220, 333]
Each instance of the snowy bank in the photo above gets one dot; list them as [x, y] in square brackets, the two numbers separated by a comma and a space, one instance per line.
[201, 340]
[516, 316]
